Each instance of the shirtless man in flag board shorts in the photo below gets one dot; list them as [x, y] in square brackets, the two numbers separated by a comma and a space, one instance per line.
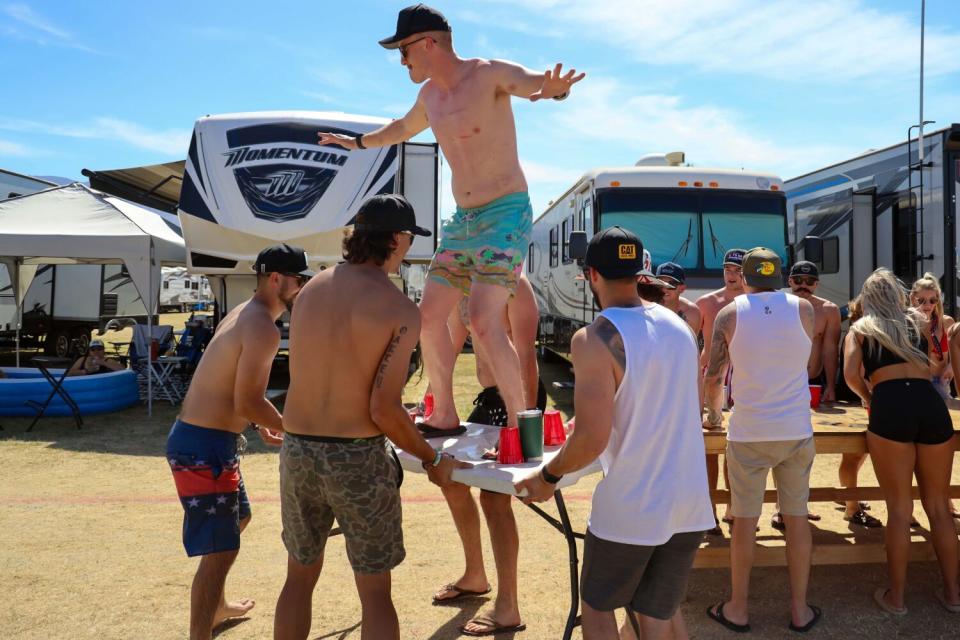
[225, 395]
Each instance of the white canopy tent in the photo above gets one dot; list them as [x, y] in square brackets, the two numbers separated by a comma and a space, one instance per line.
[74, 224]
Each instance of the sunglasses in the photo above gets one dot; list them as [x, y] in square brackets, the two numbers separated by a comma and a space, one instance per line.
[927, 300]
[404, 47]
[806, 280]
[301, 279]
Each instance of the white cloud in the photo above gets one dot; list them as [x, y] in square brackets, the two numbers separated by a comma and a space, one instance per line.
[39, 29]
[784, 40]
[169, 141]
[14, 149]
[609, 114]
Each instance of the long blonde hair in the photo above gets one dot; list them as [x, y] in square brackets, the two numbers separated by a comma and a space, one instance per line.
[888, 320]
[929, 282]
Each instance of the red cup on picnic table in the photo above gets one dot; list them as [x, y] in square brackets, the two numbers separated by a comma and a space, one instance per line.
[427, 405]
[553, 433]
[509, 451]
[815, 391]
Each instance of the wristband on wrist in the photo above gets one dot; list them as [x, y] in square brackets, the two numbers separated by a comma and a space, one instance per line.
[548, 477]
[562, 96]
[436, 460]
[254, 426]
[359, 140]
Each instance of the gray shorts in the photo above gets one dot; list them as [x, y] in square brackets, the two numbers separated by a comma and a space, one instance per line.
[355, 481]
[650, 580]
[748, 464]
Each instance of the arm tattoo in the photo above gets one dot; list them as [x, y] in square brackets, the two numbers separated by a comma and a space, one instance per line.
[385, 361]
[719, 349]
[613, 341]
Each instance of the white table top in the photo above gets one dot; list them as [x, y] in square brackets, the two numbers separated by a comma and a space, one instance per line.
[488, 474]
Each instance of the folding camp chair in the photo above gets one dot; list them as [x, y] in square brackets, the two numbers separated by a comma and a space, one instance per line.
[143, 366]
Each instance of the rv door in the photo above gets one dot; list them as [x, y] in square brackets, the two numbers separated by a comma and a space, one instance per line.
[420, 184]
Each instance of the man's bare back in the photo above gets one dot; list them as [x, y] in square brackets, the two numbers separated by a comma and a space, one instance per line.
[822, 310]
[337, 341]
[212, 398]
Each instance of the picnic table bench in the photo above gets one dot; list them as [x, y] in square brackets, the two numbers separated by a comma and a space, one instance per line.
[837, 428]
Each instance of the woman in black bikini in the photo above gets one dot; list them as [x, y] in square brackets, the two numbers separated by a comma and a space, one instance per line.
[93, 362]
[910, 431]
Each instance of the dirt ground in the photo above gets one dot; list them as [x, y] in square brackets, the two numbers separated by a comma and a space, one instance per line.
[90, 548]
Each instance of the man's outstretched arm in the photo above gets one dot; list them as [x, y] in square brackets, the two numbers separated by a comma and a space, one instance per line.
[395, 132]
[519, 81]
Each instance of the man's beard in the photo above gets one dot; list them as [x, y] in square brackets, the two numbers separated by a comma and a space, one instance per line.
[596, 298]
[288, 302]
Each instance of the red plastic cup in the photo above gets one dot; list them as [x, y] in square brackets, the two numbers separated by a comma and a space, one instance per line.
[427, 405]
[553, 433]
[815, 391]
[510, 451]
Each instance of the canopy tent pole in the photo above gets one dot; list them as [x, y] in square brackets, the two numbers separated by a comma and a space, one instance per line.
[18, 299]
[149, 305]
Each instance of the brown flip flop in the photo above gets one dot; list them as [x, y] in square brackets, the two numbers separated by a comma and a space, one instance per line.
[459, 594]
[493, 627]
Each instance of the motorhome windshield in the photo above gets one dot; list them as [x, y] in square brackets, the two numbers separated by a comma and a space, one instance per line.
[695, 229]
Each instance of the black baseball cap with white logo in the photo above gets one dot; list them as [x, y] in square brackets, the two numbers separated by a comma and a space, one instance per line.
[734, 257]
[388, 212]
[415, 19]
[283, 258]
[617, 253]
[804, 268]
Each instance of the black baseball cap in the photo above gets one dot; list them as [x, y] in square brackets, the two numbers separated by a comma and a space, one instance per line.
[734, 257]
[762, 269]
[415, 19]
[672, 270]
[617, 253]
[283, 258]
[804, 268]
[388, 212]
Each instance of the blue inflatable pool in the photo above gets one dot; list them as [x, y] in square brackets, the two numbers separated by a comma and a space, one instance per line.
[101, 393]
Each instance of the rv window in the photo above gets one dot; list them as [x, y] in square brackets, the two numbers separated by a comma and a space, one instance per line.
[667, 222]
[725, 231]
[530, 258]
[831, 255]
[553, 247]
[166, 285]
[565, 239]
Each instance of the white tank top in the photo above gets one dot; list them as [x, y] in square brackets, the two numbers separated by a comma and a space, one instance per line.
[655, 479]
[769, 353]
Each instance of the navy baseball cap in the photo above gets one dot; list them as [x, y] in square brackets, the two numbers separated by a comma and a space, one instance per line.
[734, 257]
[672, 270]
[415, 19]
[804, 268]
[617, 253]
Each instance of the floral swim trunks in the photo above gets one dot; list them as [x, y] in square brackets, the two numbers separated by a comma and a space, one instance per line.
[485, 244]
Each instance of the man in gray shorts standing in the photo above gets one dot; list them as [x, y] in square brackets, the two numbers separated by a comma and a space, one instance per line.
[765, 335]
[638, 411]
[351, 337]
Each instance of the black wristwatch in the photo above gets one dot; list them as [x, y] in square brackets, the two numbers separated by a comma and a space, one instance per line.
[548, 477]
[359, 140]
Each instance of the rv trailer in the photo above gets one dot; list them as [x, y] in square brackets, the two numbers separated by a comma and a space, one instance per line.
[181, 291]
[687, 215]
[884, 208]
[255, 179]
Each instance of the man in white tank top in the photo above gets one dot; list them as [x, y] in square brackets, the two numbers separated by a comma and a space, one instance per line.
[765, 335]
[638, 410]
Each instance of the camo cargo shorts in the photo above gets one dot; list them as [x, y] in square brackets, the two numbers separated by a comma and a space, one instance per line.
[353, 480]
[486, 244]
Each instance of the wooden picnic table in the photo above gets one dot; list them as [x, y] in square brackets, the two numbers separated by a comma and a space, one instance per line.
[837, 428]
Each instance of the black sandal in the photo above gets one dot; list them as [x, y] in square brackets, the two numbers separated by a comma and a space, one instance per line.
[722, 619]
[817, 614]
[863, 519]
[432, 432]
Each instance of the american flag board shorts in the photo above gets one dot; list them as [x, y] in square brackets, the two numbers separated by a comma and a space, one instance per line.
[206, 470]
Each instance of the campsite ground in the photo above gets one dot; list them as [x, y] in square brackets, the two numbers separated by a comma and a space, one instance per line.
[90, 547]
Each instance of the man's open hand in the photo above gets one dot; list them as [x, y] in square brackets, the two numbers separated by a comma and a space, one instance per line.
[347, 142]
[270, 438]
[555, 84]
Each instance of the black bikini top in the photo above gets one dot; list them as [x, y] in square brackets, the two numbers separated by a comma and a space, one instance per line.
[883, 358]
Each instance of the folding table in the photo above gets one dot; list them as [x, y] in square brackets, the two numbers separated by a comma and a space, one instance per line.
[45, 364]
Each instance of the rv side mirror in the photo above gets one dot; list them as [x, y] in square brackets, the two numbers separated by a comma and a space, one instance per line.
[813, 249]
[578, 245]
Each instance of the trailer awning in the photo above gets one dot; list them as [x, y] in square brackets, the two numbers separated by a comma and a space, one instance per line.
[155, 185]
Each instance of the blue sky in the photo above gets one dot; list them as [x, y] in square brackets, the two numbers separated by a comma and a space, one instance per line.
[777, 85]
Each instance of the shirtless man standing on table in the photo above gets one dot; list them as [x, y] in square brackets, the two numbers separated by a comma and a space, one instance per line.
[351, 336]
[225, 395]
[710, 305]
[467, 104]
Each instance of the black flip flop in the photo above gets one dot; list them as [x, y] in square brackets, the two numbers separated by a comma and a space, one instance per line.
[461, 594]
[817, 614]
[493, 627]
[432, 432]
[722, 619]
